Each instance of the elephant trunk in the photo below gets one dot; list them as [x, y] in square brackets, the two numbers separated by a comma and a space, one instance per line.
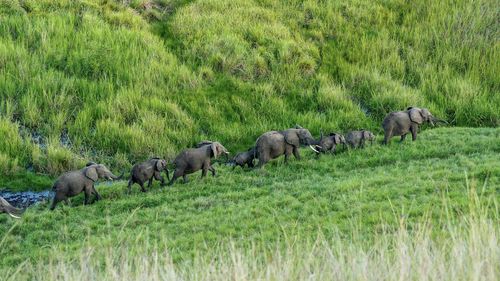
[113, 177]
[438, 120]
[9, 209]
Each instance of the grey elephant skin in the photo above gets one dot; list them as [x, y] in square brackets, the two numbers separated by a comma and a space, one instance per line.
[329, 143]
[401, 123]
[6, 207]
[273, 144]
[195, 159]
[147, 171]
[244, 158]
[75, 182]
[357, 139]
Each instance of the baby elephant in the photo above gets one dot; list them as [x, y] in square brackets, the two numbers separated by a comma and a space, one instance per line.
[357, 139]
[330, 142]
[195, 159]
[146, 171]
[244, 158]
[75, 182]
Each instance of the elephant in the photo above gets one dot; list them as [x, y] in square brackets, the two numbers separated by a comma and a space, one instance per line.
[329, 143]
[194, 159]
[73, 183]
[244, 158]
[273, 144]
[357, 139]
[146, 171]
[400, 123]
[6, 207]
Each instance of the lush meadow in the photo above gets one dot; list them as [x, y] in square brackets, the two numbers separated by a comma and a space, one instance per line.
[118, 81]
[441, 191]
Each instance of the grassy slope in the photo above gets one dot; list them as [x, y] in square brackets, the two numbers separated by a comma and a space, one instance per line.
[98, 80]
[357, 193]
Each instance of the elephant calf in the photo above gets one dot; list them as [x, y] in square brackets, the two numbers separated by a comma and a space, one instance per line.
[75, 182]
[146, 171]
[400, 123]
[6, 207]
[195, 159]
[329, 143]
[244, 158]
[356, 139]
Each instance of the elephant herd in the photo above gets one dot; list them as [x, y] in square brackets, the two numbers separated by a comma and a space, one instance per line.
[268, 146]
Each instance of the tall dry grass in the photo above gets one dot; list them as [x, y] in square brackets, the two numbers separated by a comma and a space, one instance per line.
[459, 248]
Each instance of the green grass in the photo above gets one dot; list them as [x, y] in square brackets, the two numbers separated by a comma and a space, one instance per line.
[353, 195]
[116, 82]
[119, 81]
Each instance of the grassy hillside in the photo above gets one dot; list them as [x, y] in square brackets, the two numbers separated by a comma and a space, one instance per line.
[354, 196]
[118, 81]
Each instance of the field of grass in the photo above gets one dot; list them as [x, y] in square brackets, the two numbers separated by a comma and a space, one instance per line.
[358, 204]
[118, 81]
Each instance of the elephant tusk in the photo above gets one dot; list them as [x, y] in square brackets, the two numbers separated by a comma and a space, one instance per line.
[313, 149]
[14, 216]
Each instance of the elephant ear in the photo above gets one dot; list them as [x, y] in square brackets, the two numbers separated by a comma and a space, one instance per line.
[213, 146]
[292, 138]
[91, 173]
[366, 134]
[158, 164]
[336, 139]
[416, 115]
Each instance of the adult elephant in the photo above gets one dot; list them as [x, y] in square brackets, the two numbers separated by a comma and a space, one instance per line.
[273, 144]
[75, 182]
[400, 123]
[6, 207]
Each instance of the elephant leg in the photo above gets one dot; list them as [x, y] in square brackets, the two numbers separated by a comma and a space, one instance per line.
[142, 187]
[177, 173]
[288, 152]
[403, 137]
[57, 198]
[204, 170]
[263, 159]
[185, 178]
[130, 183]
[387, 137]
[296, 153]
[158, 177]
[87, 196]
[97, 196]
[414, 130]
[211, 169]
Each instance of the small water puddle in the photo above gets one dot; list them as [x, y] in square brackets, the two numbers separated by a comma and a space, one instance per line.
[24, 199]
